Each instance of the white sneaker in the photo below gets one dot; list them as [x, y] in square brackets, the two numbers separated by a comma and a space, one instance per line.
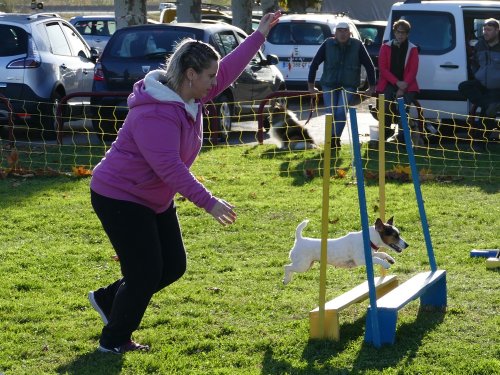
[97, 308]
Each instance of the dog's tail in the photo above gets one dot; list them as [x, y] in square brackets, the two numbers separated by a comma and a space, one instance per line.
[300, 228]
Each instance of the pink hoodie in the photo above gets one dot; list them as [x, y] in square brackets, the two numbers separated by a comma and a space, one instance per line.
[162, 135]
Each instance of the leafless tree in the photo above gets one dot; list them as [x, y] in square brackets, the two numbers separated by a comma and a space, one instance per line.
[268, 6]
[242, 14]
[130, 12]
[189, 11]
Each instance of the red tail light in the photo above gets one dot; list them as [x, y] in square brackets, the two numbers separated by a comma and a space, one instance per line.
[98, 72]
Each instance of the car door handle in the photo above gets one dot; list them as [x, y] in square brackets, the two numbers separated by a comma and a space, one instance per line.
[450, 66]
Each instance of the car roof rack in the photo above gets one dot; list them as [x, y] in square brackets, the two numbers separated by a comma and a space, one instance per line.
[37, 15]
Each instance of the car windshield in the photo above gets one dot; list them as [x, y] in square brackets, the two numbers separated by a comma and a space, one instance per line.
[14, 40]
[306, 33]
[146, 43]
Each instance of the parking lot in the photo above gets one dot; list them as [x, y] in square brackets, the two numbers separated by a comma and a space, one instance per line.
[80, 132]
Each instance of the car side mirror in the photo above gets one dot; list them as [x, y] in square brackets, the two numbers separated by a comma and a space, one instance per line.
[94, 54]
[272, 59]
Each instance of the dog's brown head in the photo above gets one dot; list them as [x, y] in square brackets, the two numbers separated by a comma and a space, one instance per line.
[390, 235]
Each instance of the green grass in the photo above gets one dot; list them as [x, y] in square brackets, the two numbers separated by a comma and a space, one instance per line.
[230, 313]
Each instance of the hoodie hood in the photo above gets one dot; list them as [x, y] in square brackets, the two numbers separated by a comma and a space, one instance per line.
[152, 89]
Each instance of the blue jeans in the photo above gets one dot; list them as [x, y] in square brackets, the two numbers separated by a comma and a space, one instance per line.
[335, 104]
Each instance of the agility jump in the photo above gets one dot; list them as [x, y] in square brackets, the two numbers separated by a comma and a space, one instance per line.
[382, 314]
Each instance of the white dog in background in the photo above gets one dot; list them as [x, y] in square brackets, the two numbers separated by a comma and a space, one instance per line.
[346, 251]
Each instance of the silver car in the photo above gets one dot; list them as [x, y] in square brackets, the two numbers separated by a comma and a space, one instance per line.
[42, 59]
[96, 30]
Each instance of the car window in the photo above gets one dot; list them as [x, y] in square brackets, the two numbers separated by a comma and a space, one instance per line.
[96, 27]
[58, 42]
[299, 33]
[225, 42]
[371, 32]
[14, 40]
[77, 45]
[140, 43]
[433, 32]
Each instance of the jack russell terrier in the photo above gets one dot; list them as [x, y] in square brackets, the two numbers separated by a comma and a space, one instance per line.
[346, 251]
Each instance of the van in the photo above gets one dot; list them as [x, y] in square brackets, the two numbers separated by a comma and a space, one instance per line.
[444, 31]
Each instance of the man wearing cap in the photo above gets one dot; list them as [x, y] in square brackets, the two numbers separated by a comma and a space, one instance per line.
[484, 89]
[342, 57]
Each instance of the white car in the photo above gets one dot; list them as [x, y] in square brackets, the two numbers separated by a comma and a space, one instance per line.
[297, 38]
[96, 30]
[167, 6]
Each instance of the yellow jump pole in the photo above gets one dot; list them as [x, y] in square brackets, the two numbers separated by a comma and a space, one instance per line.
[381, 162]
[324, 224]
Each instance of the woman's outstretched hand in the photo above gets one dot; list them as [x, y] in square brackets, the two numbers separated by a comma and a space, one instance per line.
[267, 22]
[223, 212]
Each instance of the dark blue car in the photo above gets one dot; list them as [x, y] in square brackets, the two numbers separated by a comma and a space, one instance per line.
[134, 51]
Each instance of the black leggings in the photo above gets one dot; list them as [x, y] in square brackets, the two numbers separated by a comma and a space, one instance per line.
[152, 256]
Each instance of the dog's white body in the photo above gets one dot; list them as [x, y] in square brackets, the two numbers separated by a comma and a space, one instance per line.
[345, 252]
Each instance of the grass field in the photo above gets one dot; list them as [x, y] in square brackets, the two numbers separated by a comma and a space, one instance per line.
[230, 313]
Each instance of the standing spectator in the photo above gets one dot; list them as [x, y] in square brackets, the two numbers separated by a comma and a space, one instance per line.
[133, 187]
[342, 57]
[398, 67]
[484, 89]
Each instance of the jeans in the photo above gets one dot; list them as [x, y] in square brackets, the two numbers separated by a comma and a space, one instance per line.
[482, 97]
[335, 103]
[152, 256]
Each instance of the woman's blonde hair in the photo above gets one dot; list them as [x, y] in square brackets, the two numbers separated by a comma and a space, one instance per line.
[188, 53]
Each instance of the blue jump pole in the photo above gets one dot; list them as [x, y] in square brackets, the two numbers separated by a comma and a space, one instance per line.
[416, 184]
[364, 223]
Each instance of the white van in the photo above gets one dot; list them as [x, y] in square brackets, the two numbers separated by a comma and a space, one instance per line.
[443, 30]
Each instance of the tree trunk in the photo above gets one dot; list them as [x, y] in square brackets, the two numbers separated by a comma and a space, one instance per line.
[189, 11]
[130, 12]
[269, 6]
[242, 14]
[297, 6]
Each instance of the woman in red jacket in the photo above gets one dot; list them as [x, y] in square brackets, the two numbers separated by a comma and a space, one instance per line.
[398, 67]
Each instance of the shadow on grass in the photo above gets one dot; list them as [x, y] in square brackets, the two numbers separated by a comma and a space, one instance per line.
[95, 363]
[303, 168]
[318, 353]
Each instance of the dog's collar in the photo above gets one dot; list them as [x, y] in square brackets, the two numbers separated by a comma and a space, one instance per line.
[373, 246]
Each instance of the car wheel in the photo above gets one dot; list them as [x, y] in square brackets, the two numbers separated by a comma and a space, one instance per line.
[47, 118]
[225, 116]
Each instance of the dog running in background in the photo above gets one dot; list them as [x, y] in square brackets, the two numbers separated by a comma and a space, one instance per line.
[347, 251]
[287, 129]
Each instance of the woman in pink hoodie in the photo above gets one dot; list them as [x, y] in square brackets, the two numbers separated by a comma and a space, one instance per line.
[398, 67]
[133, 187]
